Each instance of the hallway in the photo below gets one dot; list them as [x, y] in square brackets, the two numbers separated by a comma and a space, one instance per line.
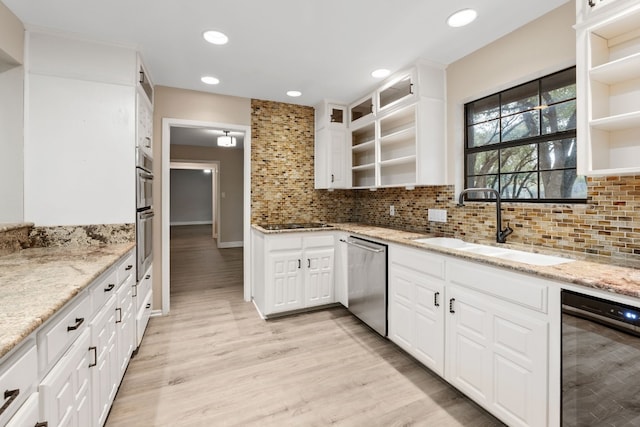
[214, 362]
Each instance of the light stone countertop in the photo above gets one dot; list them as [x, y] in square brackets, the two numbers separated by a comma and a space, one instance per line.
[616, 276]
[35, 283]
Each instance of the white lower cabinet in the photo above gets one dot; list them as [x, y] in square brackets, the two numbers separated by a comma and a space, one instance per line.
[416, 312]
[484, 329]
[125, 324]
[18, 381]
[28, 415]
[65, 393]
[142, 296]
[293, 271]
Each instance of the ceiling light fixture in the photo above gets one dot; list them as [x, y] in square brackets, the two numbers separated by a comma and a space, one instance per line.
[380, 73]
[294, 93]
[226, 140]
[462, 17]
[215, 37]
[210, 80]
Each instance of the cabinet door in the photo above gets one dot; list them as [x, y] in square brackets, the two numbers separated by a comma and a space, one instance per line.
[284, 281]
[498, 357]
[65, 393]
[125, 325]
[318, 278]
[339, 164]
[28, 414]
[341, 276]
[416, 315]
[105, 366]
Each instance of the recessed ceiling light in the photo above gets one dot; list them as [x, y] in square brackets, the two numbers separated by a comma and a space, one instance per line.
[462, 17]
[380, 73]
[294, 93]
[210, 80]
[215, 37]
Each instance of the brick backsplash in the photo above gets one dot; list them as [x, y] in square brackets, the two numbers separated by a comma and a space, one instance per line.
[282, 190]
[282, 178]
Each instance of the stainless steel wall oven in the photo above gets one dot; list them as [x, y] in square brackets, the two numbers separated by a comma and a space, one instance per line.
[144, 212]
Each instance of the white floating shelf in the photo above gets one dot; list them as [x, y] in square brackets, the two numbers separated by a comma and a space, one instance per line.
[368, 166]
[617, 71]
[619, 122]
[364, 146]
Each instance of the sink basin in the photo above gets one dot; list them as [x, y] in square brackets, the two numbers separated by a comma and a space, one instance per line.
[494, 251]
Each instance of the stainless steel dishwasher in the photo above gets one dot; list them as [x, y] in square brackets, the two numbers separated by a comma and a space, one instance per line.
[368, 282]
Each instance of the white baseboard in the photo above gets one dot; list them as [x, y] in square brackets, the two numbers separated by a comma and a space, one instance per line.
[156, 313]
[190, 223]
[223, 245]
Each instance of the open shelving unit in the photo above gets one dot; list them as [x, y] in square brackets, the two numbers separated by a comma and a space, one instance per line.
[609, 137]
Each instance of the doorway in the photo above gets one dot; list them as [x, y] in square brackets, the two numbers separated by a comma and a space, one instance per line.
[229, 200]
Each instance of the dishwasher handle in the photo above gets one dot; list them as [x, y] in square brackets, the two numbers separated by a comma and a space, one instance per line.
[367, 248]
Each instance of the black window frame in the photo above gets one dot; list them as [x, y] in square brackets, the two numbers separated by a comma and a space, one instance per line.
[538, 140]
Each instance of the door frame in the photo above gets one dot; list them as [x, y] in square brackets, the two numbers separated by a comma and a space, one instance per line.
[167, 124]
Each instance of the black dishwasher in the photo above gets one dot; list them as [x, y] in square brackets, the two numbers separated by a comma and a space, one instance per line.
[600, 362]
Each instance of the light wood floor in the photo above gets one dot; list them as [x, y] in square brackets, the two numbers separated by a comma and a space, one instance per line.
[214, 362]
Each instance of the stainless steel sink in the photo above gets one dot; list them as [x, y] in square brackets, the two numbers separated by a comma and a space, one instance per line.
[494, 251]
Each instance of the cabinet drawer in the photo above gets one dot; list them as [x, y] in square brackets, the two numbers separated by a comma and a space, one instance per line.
[28, 415]
[18, 378]
[127, 267]
[142, 289]
[58, 334]
[279, 243]
[521, 289]
[312, 241]
[142, 317]
[418, 260]
[103, 289]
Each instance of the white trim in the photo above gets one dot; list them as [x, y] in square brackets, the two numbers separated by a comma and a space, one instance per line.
[156, 313]
[224, 245]
[167, 123]
[172, 223]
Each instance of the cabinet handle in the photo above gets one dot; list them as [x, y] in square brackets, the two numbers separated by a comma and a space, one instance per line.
[410, 88]
[79, 321]
[119, 310]
[148, 144]
[135, 291]
[591, 3]
[299, 264]
[147, 277]
[42, 424]
[11, 395]
[141, 76]
[435, 299]
[332, 178]
[95, 356]
[129, 267]
[451, 310]
[110, 287]
[148, 305]
[308, 262]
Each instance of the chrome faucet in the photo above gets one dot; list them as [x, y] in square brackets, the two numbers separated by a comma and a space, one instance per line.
[501, 235]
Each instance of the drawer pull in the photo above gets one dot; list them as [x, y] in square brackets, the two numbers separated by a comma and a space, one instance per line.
[95, 356]
[148, 305]
[110, 287]
[79, 321]
[129, 267]
[451, 301]
[119, 310]
[435, 299]
[11, 395]
[42, 424]
[135, 291]
[147, 277]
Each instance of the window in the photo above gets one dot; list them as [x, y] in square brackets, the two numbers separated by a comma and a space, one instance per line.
[522, 142]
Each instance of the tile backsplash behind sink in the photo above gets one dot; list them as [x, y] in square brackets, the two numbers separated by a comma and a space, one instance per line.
[608, 224]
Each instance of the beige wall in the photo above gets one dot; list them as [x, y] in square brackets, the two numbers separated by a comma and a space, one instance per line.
[185, 105]
[539, 48]
[231, 178]
[11, 39]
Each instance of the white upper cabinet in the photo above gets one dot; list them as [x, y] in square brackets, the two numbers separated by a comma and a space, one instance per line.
[608, 85]
[402, 142]
[332, 154]
[362, 110]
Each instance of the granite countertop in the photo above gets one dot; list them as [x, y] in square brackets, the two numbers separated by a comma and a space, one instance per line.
[37, 282]
[604, 273]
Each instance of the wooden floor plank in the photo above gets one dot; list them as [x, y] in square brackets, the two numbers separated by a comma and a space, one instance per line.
[213, 362]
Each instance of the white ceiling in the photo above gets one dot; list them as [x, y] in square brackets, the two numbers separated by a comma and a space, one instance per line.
[324, 48]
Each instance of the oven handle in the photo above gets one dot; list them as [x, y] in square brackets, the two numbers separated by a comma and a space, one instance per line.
[146, 215]
[145, 175]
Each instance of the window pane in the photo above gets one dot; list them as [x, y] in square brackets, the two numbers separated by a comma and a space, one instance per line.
[559, 117]
[483, 110]
[521, 98]
[521, 126]
[563, 184]
[558, 87]
[485, 181]
[558, 154]
[483, 163]
[519, 185]
[519, 159]
[484, 133]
